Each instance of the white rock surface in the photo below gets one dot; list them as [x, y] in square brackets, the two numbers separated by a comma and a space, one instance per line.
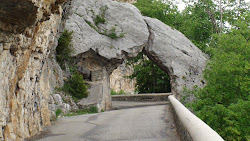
[175, 54]
[118, 80]
[122, 16]
[58, 99]
[167, 47]
[65, 108]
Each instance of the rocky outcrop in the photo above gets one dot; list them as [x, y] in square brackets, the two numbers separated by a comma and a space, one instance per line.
[120, 82]
[114, 31]
[28, 72]
[97, 54]
[63, 102]
[128, 1]
[176, 55]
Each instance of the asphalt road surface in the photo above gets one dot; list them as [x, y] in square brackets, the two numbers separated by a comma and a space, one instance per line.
[148, 123]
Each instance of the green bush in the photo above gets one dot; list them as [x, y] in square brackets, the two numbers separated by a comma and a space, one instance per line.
[99, 19]
[113, 92]
[113, 35]
[92, 109]
[76, 86]
[64, 50]
[58, 112]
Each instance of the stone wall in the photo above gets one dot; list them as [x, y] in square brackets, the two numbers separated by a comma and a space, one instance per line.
[94, 69]
[142, 97]
[28, 71]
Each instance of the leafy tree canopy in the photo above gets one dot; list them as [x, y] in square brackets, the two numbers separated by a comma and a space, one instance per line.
[149, 77]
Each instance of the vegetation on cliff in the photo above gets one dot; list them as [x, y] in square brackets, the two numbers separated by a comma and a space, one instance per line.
[224, 102]
[64, 49]
[75, 85]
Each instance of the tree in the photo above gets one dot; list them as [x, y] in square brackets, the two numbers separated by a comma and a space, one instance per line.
[149, 77]
[64, 48]
[224, 102]
[163, 10]
[76, 86]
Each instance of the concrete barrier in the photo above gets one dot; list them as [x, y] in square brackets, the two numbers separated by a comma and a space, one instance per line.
[190, 127]
[142, 97]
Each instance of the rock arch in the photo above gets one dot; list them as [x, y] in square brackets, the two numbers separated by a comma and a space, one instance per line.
[93, 23]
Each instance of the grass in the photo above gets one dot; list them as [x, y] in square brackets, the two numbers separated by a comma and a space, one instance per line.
[113, 92]
[99, 19]
[91, 110]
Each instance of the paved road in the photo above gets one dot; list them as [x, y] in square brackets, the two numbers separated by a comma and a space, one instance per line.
[149, 123]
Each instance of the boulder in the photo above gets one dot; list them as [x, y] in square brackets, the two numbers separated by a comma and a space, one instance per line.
[65, 108]
[88, 34]
[58, 99]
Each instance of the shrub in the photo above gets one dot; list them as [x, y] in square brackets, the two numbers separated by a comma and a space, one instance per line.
[113, 92]
[58, 112]
[99, 19]
[76, 86]
[93, 109]
[63, 49]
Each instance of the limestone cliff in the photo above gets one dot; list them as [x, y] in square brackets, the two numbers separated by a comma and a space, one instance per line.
[118, 80]
[28, 71]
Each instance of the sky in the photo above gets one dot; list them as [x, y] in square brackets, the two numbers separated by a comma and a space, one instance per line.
[181, 5]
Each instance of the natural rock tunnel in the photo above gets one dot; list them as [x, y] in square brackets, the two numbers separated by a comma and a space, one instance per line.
[165, 46]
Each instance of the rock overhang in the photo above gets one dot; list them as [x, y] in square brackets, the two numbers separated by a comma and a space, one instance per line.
[165, 46]
[90, 35]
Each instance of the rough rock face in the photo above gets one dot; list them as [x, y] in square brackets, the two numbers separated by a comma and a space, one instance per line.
[128, 1]
[118, 80]
[175, 54]
[27, 73]
[97, 54]
[94, 21]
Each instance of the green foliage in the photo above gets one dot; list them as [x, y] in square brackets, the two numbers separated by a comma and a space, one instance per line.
[197, 25]
[91, 25]
[58, 112]
[76, 86]
[149, 77]
[224, 102]
[121, 92]
[112, 33]
[91, 110]
[99, 19]
[163, 10]
[64, 50]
